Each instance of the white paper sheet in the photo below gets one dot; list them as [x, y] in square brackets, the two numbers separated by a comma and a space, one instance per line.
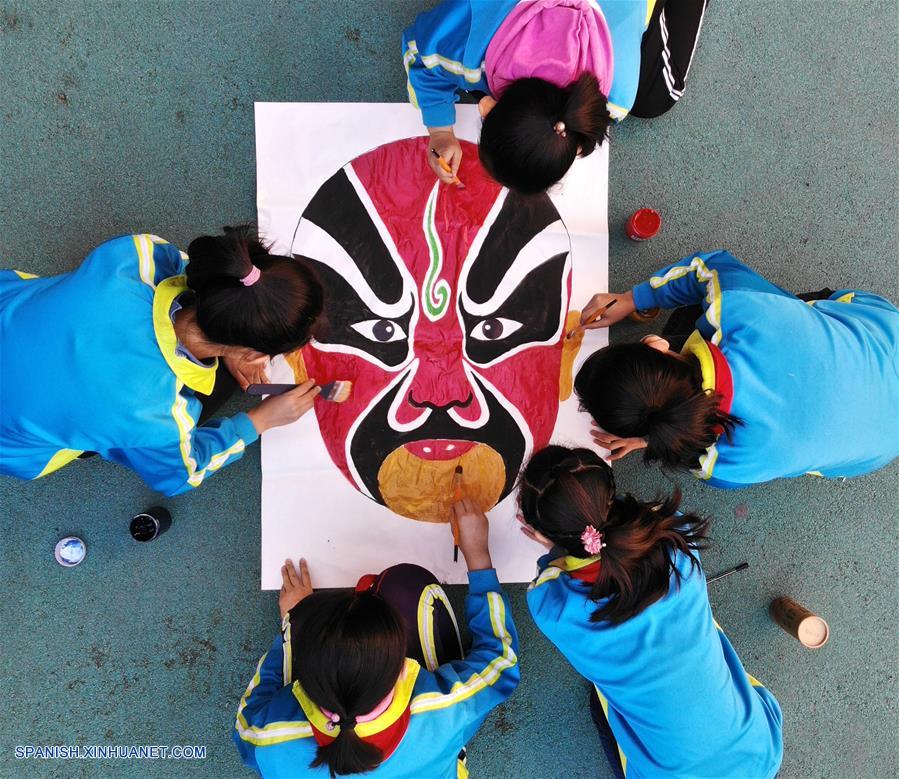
[309, 508]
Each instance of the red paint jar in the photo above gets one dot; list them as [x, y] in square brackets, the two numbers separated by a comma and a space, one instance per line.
[643, 224]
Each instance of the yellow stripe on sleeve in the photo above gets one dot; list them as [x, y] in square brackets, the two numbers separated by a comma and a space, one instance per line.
[431, 61]
[549, 573]
[713, 289]
[273, 732]
[460, 691]
[144, 245]
[617, 112]
[186, 424]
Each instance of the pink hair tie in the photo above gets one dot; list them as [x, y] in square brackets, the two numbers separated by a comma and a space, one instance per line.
[377, 711]
[591, 538]
[252, 277]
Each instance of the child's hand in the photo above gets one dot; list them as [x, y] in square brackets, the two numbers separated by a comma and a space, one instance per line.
[277, 410]
[295, 587]
[618, 447]
[485, 105]
[247, 367]
[534, 535]
[445, 143]
[473, 532]
[624, 305]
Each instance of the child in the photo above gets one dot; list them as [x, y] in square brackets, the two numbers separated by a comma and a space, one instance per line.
[374, 681]
[119, 356]
[557, 71]
[768, 386]
[622, 595]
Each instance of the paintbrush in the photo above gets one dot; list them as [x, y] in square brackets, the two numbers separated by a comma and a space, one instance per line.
[457, 496]
[728, 572]
[592, 319]
[444, 166]
[335, 391]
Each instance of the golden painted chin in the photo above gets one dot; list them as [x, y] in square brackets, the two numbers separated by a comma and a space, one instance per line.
[423, 489]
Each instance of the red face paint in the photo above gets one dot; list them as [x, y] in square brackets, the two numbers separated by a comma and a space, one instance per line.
[446, 309]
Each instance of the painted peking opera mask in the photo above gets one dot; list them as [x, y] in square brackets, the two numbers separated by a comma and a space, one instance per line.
[447, 308]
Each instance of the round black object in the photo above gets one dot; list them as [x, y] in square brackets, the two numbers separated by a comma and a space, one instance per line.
[150, 524]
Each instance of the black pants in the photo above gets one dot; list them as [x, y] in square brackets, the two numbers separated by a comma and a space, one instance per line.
[431, 629]
[666, 54]
[606, 737]
[682, 321]
[225, 385]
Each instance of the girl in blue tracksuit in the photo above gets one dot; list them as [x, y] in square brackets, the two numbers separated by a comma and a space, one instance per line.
[767, 386]
[622, 595]
[375, 681]
[554, 73]
[118, 356]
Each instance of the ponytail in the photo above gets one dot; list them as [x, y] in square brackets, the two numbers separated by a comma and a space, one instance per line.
[565, 492]
[585, 115]
[246, 296]
[534, 132]
[633, 390]
[348, 754]
[348, 651]
[642, 540]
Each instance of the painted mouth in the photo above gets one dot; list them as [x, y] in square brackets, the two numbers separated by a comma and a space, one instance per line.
[439, 448]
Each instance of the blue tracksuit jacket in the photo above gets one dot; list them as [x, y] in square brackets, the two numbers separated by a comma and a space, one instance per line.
[816, 385]
[444, 50]
[88, 362]
[676, 696]
[273, 730]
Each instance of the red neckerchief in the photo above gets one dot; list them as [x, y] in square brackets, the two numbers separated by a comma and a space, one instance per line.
[386, 740]
[586, 574]
[724, 381]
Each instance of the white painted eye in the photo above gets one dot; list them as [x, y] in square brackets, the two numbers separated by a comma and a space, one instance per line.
[494, 328]
[380, 330]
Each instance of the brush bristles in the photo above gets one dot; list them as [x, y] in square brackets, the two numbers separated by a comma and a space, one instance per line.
[337, 391]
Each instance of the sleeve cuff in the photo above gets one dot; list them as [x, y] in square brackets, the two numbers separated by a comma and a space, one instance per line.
[644, 296]
[440, 115]
[483, 581]
[245, 427]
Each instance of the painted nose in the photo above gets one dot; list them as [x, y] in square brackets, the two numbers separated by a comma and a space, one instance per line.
[440, 382]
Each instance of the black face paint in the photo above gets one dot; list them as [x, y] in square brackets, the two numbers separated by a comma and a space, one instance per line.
[337, 209]
[539, 295]
[375, 439]
[520, 218]
[348, 321]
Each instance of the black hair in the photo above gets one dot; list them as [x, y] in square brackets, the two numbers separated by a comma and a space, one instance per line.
[519, 146]
[276, 314]
[633, 390]
[349, 649]
[563, 491]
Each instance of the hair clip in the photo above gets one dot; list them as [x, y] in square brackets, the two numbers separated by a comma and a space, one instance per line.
[252, 277]
[592, 540]
[559, 127]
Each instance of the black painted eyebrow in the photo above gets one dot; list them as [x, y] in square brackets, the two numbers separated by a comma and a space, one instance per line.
[337, 209]
[519, 220]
